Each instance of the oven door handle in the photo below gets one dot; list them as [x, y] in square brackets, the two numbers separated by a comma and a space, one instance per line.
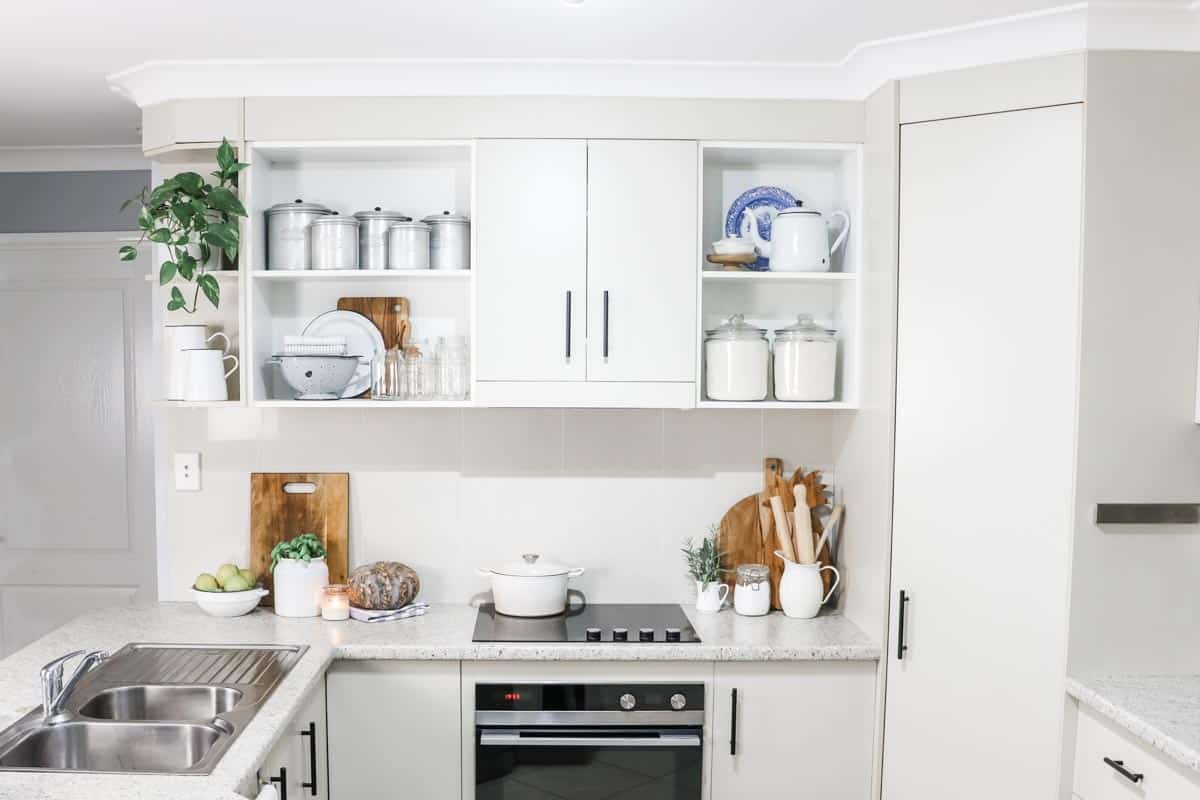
[516, 739]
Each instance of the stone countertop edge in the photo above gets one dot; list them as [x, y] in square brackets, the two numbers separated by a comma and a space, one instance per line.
[442, 634]
[1153, 708]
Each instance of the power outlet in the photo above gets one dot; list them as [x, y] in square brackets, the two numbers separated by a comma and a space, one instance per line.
[187, 472]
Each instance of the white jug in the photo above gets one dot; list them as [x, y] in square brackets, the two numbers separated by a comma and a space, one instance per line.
[710, 597]
[799, 240]
[801, 589]
[176, 339]
[206, 375]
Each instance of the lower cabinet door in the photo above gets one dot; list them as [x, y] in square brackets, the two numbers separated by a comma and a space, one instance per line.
[793, 729]
[1110, 764]
[296, 766]
[395, 730]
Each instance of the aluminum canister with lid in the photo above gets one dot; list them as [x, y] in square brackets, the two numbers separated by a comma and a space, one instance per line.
[408, 246]
[449, 241]
[287, 233]
[805, 362]
[333, 241]
[373, 236]
[736, 357]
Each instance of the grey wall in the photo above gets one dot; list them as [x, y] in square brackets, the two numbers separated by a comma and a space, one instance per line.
[54, 202]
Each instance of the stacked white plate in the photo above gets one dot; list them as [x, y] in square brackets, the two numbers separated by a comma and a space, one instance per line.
[314, 345]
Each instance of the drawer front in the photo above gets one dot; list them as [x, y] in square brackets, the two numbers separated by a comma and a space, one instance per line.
[1098, 739]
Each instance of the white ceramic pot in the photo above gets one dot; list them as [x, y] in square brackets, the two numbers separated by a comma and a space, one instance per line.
[176, 339]
[799, 239]
[299, 586]
[801, 592]
[531, 587]
[710, 596]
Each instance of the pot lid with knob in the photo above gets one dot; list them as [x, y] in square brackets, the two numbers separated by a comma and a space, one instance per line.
[532, 565]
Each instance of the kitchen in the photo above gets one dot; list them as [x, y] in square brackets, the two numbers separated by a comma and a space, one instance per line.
[651, 427]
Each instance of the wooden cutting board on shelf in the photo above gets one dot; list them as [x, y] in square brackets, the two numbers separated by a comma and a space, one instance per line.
[284, 505]
[390, 315]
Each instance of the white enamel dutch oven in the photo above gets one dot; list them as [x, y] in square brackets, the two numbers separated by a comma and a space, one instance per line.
[531, 587]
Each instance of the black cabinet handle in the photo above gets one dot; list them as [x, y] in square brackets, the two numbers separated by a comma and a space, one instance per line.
[281, 779]
[901, 644]
[1119, 766]
[733, 722]
[605, 323]
[568, 326]
[311, 733]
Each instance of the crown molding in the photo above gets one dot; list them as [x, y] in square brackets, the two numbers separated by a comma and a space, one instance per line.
[1067, 28]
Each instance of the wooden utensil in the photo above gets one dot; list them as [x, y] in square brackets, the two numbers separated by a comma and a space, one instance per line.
[389, 314]
[805, 553]
[285, 505]
[783, 532]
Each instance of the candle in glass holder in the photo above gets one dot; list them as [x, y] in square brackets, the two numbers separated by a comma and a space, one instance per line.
[335, 602]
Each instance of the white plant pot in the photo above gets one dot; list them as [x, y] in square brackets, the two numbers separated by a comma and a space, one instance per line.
[299, 586]
[710, 596]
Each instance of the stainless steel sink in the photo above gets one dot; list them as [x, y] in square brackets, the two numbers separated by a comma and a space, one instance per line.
[151, 708]
[157, 703]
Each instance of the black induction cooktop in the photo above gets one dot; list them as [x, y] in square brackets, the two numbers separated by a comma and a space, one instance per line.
[604, 623]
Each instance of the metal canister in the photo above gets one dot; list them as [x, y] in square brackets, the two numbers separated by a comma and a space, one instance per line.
[373, 236]
[333, 241]
[408, 246]
[287, 233]
[449, 241]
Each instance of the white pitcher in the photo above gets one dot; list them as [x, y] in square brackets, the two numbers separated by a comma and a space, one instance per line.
[205, 374]
[799, 239]
[176, 339]
[710, 596]
[801, 589]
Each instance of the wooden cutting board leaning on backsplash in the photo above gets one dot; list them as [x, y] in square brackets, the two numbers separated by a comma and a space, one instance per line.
[284, 505]
[390, 315]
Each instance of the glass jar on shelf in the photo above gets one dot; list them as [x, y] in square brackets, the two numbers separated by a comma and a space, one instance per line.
[388, 375]
[454, 368]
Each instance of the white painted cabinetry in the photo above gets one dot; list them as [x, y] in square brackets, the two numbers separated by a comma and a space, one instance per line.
[794, 729]
[394, 729]
[1111, 765]
[298, 760]
[990, 210]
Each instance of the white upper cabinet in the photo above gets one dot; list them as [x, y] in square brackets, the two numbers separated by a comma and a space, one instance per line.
[531, 241]
[641, 256]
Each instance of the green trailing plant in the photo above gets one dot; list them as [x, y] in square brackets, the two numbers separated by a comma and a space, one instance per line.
[304, 547]
[704, 559]
[196, 221]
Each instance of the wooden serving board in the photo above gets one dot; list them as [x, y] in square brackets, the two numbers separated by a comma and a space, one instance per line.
[390, 315]
[284, 505]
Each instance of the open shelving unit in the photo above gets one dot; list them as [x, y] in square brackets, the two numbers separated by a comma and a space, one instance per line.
[822, 176]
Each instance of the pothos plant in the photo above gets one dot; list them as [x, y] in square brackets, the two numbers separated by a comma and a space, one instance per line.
[195, 220]
[304, 547]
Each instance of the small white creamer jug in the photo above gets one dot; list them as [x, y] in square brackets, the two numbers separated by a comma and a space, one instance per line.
[801, 592]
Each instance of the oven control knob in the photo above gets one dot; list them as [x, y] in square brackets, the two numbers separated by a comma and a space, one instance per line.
[593, 634]
[673, 634]
[620, 635]
[678, 702]
[646, 635]
[628, 702]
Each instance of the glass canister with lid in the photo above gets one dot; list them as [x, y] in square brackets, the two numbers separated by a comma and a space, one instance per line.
[752, 594]
[736, 357]
[805, 362]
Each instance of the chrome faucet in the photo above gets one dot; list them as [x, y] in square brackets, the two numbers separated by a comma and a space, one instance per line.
[54, 693]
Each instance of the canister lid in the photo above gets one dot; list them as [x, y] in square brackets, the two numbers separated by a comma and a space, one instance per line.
[298, 205]
[378, 213]
[408, 226]
[805, 329]
[446, 218]
[335, 219]
[736, 327]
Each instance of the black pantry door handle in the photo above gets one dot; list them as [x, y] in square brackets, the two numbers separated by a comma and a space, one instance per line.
[281, 779]
[605, 323]
[1119, 766]
[733, 722]
[311, 733]
[901, 644]
[568, 325]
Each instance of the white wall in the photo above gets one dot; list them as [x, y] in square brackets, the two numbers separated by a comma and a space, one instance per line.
[1134, 603]
[447, 490]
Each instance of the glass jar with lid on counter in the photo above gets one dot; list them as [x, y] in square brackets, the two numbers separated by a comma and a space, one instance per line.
[752, 594]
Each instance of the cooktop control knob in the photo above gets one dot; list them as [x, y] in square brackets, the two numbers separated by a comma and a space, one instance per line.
[672, 634]
[678, 702]
[593, 634]
[620, 634]
[646, 635]
[628, 702]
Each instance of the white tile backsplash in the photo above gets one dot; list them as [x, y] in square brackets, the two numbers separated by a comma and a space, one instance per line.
[448, 490]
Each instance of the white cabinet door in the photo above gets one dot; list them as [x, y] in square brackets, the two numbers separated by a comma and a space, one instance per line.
[298, 759]
[531, 259]
[642, 260]
[796, 729]
[986, 390]
[394, 730]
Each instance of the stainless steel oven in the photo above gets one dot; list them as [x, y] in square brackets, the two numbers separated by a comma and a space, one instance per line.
[571, 741]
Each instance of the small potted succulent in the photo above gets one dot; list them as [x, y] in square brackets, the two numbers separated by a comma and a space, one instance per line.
[301, 574]
[704, 566]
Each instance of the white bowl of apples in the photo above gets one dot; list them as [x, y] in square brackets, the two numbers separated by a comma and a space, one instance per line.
[231, 592]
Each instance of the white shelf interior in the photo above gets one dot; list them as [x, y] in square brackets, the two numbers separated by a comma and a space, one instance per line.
[826, 177]
[396, 275]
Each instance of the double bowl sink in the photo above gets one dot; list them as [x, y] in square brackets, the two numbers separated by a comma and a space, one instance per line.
[152, 708]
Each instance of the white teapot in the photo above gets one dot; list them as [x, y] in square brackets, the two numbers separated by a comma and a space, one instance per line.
[799, 241]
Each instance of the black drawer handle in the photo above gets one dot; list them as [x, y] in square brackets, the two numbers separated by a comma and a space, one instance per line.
[311, 733]
[733, 722]
[282, 781]
[1119, 766]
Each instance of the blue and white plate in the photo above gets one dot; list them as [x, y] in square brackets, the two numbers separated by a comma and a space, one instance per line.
[759, 200]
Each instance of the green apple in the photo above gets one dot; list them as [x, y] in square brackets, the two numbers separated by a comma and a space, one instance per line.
[248, 576]
[235, 583]
[207, 583]
[225, 571]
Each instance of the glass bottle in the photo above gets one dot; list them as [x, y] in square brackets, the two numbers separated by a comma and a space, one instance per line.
[414, 369]
[453, 369]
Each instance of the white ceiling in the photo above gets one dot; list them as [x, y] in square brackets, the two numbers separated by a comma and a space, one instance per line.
[55, 54]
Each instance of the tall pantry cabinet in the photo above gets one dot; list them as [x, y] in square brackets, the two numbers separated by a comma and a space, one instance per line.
[990, 209]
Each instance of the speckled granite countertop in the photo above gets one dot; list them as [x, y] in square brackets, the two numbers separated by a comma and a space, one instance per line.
[1161, 710]
[444, 633]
